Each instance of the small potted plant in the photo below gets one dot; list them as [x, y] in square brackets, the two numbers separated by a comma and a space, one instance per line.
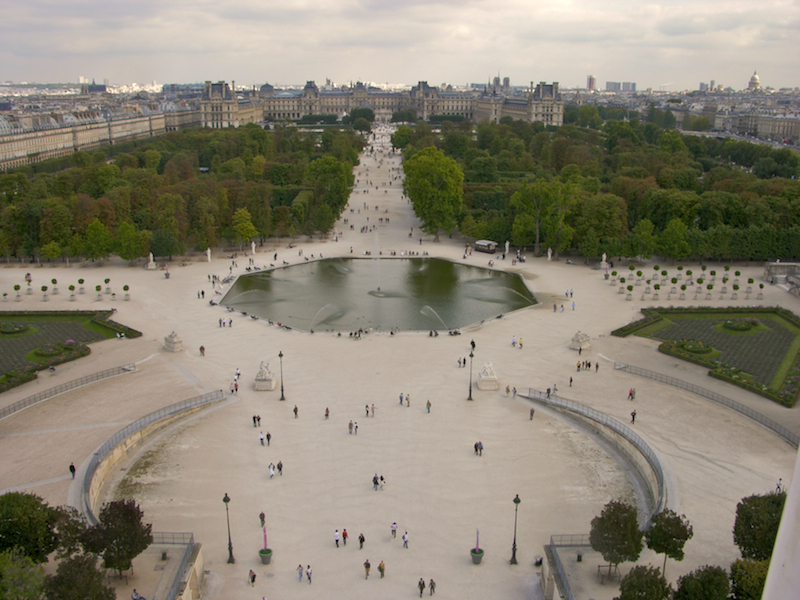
[80, 289]
[735, 294]
[99, 290]
[656, 287]
[5, 296]
[55, 289]
[72, 292]
[709, 287]
[760, 291]
[125, 289]
[108, 287]
[630, 293]
[477, 551]
[44, 293]
[683, 292]
[16, 289]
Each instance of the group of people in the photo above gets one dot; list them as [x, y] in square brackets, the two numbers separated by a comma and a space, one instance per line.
[479, 448]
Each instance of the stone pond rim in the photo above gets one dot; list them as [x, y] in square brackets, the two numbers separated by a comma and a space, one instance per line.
[379, 293]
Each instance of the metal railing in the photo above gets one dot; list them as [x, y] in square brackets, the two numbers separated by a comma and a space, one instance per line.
[179, 539]
[786, 434]
[622, 430]
[132, 429]
[567, 540]
[65, 387]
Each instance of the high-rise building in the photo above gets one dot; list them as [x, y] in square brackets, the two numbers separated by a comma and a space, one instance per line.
[613, 86]
[591, 83]
[506, 85]
[629, 86]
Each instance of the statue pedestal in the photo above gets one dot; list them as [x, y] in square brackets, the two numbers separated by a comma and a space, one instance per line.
[151, 266]
[582, 341]
[488, 382]
[265, 385]
[172, 343]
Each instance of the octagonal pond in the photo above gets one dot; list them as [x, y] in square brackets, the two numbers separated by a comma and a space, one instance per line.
[347, 294]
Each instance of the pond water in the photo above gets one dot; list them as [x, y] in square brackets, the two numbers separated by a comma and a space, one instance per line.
[347, 294]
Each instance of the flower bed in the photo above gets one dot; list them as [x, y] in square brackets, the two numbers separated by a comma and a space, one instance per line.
[13, 327]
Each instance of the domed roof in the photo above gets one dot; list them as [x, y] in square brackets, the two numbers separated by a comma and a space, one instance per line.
[755, 79]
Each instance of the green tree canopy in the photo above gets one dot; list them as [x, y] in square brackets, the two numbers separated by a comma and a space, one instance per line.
[705, 583]
[20, 577]
[667, 535]
[78, 578]
[434, 185]
[98, 242]
[615, 533]
[120, 536]
[130, 244]
[748, 577]
[243, 225]
[28, 524]
[644, 583]
[756, 526]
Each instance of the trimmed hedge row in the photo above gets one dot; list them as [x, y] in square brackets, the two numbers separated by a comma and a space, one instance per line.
[791, 387]
[71, 351]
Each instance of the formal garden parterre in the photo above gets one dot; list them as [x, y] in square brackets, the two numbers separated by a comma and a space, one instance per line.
[757, 348]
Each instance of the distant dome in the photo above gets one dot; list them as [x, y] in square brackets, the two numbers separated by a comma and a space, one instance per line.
[755, 82]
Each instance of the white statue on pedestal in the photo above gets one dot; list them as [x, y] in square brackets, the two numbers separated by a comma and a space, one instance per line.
[208, 254]
[549, 254]
[252, 247]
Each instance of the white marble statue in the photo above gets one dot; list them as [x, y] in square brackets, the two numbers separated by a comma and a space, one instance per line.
[605, 256]
[208, 254]
[549, 254]
[252, 247]
[507, 246]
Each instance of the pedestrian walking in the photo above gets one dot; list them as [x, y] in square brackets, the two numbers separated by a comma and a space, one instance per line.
[531, 414]
[308, 574]
[596, 366]
[263, 518]
[382, 569]
[300, 573]
[345, 535]
[202, 350]
[373, 410]
[236, 386]
[360, 541]
[520, 343]
[633, 416]
[252, 578]
[254, 421]
[295, 411]
[570, 382]
[405, 540]
[573, 306]
[258, 418]
[428, 406]
[327, 412]
[394, 529]
[401, 393]
[261, 437]
[336, 538]
[480, 448]
[421, 586]
[366, 407]
[350, 427]
[779, 486]
[432, 586]
[280, 467]
[508, 390]
[355, 428]
[515, 392]
[408, 400]
[366, 568]
[459, 362]
[375, 482]
[271, 470]
[269, 435]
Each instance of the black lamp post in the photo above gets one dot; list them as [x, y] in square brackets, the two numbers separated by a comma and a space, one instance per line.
[513, 560]
[227, 499]
[470, 374]
[280, 356]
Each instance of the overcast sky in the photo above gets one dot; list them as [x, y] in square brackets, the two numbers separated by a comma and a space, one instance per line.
[662, 43]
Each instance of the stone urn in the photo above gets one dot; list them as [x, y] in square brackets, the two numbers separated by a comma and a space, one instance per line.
[265, 554]
[477, 555]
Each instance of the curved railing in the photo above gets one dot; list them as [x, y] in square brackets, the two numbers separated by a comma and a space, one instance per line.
[65, 387]
[748, 412]
[123, 434]
[622, 430]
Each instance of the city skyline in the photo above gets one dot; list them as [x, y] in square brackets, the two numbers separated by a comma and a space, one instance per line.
[662, 45]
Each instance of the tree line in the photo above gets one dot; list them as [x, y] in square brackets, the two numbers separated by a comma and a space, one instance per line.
[197, 188]
[624, 188]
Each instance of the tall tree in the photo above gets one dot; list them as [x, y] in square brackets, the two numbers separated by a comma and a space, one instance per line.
[27, 523]
[98, 241]
[756, 526]
[20, 577]
[705, 583]
[434, 185]
[243, 225]
[748, 577]
[668, 534]
[130, 244]
[615, 533]
[644, 583]
[120, 536]
[78, 578]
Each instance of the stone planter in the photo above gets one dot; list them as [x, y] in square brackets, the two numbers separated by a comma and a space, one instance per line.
[5, 298]
[708, 296]
[29, 291]
[127, 296]
[682, 296]
[18, 298]
[108, 289]
[99, 296]
[621, 290]
[55, 291]
[699, 290]
[749, 289]
[72, 297]
[629, 297]
[735, 296]
[724, 289]
[638, 282]
[760, 296]
[655, 296]
[81, 290]
[44, 297]
[265, 556]
[477, 556]
[673, 290]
